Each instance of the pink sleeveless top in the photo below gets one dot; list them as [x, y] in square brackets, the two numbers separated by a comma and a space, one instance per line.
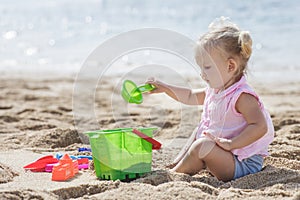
[220, 118]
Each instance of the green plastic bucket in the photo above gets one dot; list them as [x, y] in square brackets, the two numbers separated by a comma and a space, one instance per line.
[120, 154]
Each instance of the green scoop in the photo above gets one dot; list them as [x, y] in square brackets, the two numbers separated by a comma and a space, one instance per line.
[132, 93]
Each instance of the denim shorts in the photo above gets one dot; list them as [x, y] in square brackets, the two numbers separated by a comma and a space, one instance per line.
[247, 166]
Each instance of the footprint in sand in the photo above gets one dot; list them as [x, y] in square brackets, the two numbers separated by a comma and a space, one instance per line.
[288, 122]
[54, 112]
[27, 194]
[65, 109]
[6, 107]
[37, 127]
[25, 111]
[269, 176]
[291, 154]
[32, 87]
[57, 138]
[9, 119]
[30, 97]
[6, 174]
[278, 124]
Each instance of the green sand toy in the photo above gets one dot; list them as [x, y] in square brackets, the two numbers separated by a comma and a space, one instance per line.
[132, 93]
[123, 153]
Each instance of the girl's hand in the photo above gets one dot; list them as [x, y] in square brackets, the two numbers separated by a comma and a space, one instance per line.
[224, 143]
[159, 86]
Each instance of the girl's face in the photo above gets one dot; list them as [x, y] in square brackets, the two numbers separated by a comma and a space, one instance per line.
[216, 70]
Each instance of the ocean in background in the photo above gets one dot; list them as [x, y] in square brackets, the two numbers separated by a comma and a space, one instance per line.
[59, 35]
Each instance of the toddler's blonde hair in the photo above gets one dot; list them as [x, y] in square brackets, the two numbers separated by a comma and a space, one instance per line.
[225, 36]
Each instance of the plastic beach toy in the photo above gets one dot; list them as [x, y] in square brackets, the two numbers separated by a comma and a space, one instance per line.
[65, 169]
[40, 164]
[83, 163]
[59, 155]
[81, 149]
[120, 153]
[132, 93]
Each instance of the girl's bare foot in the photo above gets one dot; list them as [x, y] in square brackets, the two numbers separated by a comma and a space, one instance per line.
[171, 166]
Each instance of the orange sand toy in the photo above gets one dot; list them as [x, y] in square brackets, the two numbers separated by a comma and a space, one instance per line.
[65, 169]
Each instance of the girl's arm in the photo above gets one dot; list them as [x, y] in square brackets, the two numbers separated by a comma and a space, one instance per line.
[257, 127]
[181, 94]
[248, 106]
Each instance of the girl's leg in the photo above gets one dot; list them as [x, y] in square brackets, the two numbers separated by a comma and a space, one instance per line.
[206, 152]
[191, 163]
[221, 163]
[185, 149]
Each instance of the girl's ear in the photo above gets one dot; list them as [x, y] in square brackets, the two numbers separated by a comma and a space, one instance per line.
[232, 65]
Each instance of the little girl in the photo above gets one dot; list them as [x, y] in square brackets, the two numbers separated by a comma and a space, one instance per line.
[235, 129]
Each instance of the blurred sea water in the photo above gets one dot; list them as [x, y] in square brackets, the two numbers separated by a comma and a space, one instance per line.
[59, 35]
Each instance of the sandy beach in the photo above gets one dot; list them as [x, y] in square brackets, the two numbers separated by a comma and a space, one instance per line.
[36, 119]
[48, 50]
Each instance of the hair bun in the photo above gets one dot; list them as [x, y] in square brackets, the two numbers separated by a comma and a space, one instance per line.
[221, 22]
[246, 44]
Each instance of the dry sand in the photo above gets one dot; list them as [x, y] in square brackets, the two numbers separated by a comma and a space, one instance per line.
[36, 119]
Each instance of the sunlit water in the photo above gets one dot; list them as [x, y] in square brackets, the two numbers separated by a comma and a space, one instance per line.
[59, 35]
